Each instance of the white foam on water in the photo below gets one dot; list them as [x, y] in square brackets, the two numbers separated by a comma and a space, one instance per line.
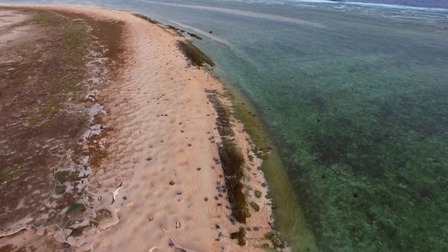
[380, 5]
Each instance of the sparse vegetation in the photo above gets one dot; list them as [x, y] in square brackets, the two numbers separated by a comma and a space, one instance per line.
[58, 190]
[61, 176]
[9, 173]
[76, 41]
[75, 209]
[43, 113]
[43, 81]
[46, 18]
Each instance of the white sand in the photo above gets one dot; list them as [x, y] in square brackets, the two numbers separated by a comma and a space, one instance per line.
[163, 123]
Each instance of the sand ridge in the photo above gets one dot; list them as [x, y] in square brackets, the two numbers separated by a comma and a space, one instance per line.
[163, 154]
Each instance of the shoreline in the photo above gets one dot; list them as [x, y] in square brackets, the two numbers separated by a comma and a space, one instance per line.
[289, 220]
[178, 142]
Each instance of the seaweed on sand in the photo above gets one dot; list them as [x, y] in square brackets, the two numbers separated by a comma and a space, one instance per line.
[146, 18]
[232, 161]
[196, 56]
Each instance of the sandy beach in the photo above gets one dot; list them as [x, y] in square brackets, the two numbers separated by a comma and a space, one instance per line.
[160, 185]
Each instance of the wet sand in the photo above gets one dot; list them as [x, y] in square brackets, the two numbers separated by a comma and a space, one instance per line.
[163, 158]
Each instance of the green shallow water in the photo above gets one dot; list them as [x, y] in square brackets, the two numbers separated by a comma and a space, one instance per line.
[355, 102]
[359, 115]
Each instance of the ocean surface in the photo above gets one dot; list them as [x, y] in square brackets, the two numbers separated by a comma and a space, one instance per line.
[354, 96]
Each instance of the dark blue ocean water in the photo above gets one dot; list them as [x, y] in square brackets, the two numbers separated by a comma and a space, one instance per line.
[354, 98]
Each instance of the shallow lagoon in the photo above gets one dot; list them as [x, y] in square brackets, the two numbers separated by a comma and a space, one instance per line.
[356, 105]
[354, 99]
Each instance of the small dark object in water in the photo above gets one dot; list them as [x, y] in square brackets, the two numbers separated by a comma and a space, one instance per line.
[210, 32]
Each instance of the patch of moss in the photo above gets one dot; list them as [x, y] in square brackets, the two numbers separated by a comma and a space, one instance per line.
[48, 110]
[3, 73]
[75, 39]
[3, 219]
[46, 18]
[196, 56]
[257, 194]
[58, 190]
[33, 118]
[45, 112]
[76, 209]
[61, 176]
[10, 172]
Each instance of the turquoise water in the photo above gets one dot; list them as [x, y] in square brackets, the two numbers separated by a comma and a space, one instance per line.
[355, 101]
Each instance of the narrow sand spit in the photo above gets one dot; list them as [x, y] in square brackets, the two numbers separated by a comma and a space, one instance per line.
[163, 154]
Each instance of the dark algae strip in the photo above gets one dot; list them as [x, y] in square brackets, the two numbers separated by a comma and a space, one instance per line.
[196, 56]
[232, 161]
[146, 18]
